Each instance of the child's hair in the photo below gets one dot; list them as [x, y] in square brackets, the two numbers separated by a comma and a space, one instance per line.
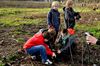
[69, 3]
[65, 31]
[49, 34]
[52, 32]
[46, 35]
[55, 3]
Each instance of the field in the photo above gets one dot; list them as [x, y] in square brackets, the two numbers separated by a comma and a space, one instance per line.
[19, 24]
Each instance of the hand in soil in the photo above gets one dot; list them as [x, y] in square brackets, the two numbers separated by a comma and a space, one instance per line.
[54, 55]
[58, 51]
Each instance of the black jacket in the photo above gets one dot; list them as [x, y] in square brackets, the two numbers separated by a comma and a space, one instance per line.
[69, 17]
[69, 13]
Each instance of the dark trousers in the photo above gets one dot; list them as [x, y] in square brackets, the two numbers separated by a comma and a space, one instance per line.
[69, 24]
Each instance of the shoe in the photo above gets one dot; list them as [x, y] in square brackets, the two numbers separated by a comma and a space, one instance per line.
[48, 62]
[33, 57]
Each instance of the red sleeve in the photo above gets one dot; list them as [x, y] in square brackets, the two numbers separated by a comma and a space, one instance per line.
[48, 50]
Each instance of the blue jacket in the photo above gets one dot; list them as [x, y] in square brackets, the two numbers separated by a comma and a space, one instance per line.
[53, 19]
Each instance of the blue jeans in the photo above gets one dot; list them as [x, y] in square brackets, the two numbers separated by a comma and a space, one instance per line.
[38, 49]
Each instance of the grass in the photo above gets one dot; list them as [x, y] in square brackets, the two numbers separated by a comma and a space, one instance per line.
[15, 17]
[19, 21]
[1, 64]
[92, 28]
[82, 9]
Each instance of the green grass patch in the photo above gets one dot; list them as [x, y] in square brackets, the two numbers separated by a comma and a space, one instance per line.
[20, 40]
[93, 28]
[82, 9]
[19, 21]
[2, 64]
[14, 16]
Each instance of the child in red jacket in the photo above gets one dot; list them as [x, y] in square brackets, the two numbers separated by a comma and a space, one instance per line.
[37, 44]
